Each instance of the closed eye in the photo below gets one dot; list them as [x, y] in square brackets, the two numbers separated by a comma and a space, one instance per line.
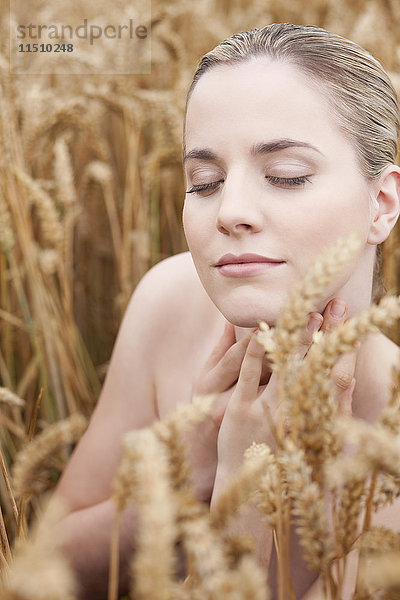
[278, 181]
[287, 181]
[204, 186]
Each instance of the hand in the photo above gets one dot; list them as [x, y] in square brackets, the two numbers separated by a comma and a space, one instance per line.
[245, 420]
[218, 375]
[342, 374]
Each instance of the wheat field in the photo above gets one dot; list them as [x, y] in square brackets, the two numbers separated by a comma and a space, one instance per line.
[91, 197]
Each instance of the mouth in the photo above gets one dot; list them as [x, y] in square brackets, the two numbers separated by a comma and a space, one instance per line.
[231, 259]
[243, 265]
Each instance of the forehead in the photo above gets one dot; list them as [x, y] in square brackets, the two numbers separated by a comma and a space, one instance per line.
[261, 93]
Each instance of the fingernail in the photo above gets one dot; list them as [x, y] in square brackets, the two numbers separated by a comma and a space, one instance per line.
[314, 324]
[338, 308]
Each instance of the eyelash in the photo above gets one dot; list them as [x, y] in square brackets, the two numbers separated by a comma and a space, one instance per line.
[285, 181]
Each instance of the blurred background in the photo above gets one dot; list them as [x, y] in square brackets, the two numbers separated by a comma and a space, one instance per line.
[91, 190]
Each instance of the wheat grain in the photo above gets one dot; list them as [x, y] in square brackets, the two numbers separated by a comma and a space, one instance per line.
[7, 239]
[304, 296]
[378, 451]
[156, 525]
[186, 416]
[48, 260]
[32, 459]
[266, 496]
[390, 415]
[249, 580]
[49, 218]
[63, 174]
[39, 571]
[206, 555]
[311, 404]
[242, 487]
[379, 540]
[352, 503]
[124, 482]
[308, 508]
[386, 491]
[9, 397]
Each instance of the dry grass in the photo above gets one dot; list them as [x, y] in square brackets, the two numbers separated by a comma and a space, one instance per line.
[91, 182]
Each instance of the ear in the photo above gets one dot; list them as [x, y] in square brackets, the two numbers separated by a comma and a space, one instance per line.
[386, 209]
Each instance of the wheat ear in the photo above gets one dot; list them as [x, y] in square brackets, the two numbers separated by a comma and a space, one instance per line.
[285, 339]
[156, 520]
[39, 570]
[245, 483]
[33, 457]
[308, 508]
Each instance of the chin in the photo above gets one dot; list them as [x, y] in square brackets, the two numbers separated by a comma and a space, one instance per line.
[247, 307]
[249, 316]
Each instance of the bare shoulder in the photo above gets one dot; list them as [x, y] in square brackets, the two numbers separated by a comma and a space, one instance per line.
[180, 275]
[156, 300]
[162, 293]
[177, 265]
[173, 274]
[374, 376]
[175, 288]
[168, 291]
[128, 397]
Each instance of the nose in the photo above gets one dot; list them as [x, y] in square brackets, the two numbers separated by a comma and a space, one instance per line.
[239, 210]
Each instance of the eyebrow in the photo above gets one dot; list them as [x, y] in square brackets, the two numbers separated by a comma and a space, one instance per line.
[256, 149]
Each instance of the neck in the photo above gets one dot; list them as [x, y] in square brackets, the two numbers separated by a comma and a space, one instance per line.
[356, 292]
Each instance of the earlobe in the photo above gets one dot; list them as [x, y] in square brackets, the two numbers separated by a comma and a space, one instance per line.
[387, 200]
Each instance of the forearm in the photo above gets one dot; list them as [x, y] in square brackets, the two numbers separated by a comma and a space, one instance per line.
[85, 538]
[247, 522]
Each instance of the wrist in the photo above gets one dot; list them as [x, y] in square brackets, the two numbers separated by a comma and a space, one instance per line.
[223, 476]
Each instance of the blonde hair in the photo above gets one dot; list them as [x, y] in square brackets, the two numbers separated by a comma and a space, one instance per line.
[355, 84]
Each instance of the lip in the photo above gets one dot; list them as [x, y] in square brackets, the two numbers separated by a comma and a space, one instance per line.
[246, 265]
[230, 259]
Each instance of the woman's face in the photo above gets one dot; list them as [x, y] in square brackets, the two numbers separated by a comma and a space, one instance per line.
[287, 185]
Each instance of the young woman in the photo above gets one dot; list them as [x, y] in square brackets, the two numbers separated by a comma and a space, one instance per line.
[290, 141]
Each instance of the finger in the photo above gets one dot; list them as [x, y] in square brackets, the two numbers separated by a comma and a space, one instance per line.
[314, 323]
[345, 404]
[250, 372]
[334, 313]
[343, 370]
[227, 339]
[226, 372]
[344, 381]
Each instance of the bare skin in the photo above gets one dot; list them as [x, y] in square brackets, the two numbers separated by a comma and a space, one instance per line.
[153, 370]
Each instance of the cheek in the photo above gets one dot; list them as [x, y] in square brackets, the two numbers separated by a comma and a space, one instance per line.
[196, 228]
[319, 225]
[188, 226]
